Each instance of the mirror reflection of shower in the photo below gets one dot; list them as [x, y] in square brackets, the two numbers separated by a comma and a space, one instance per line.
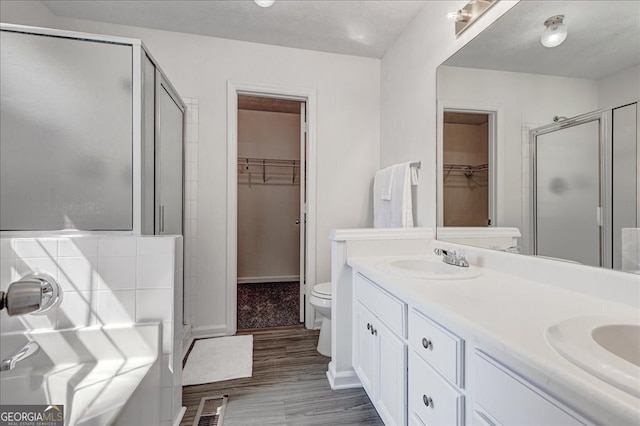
[582, 196]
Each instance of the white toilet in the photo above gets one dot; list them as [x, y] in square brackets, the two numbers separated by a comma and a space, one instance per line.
[321, 301]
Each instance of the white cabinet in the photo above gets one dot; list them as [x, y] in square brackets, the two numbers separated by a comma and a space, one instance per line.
[364, 348]
[432, 399]
[436, 372]
[503, 397]
[379, 353]
[419, 371]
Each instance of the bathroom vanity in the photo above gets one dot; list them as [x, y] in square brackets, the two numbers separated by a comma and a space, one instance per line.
[477, 347]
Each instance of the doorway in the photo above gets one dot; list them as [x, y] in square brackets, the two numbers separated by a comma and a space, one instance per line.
[466, 169]
[306, 99]
[271, 231]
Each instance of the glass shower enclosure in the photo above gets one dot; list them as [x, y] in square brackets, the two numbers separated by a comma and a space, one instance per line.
[585, 186]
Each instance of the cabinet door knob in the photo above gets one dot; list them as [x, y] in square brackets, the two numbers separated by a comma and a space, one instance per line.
[427, 401]
[426, 343]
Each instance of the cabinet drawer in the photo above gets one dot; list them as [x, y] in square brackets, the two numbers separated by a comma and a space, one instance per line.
[441, 348]
[386, 307]
[501, 396]
[431, 397]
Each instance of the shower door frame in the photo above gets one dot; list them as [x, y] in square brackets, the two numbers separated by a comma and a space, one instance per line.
[604, 117]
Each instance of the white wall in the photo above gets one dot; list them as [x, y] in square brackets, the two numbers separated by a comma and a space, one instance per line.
[525, 99]
[268, 238]
[408, 92]
[348, 133]
[620, 88]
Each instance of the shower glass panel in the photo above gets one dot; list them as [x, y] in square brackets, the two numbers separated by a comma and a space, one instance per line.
[65, 134]
[568, 193]
[169, 181]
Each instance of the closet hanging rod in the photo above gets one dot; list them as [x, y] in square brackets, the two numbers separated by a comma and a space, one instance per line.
[466, 167]
[268, 162]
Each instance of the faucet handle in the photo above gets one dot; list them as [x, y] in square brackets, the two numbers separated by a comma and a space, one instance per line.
[35, 293]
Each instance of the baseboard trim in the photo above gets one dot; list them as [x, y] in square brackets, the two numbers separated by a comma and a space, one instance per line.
[179, 417]
[209, 331]
[342, 380]
[273, 279]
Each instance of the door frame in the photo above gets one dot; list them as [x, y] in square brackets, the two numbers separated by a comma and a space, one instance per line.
[309, 96]
[604, 118]
[496, 154]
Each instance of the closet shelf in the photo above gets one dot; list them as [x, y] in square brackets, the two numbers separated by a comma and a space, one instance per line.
[268, 171]
[467, 169]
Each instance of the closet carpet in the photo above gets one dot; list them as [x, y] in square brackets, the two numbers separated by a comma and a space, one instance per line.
[289, 387]
[264, 305]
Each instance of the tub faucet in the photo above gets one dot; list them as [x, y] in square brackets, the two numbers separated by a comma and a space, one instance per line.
[452, 258]
[25, 352]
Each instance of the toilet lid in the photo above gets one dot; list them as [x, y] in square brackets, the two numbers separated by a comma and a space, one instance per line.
[324, 289]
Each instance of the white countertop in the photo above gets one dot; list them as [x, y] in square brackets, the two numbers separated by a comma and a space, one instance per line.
[507, 316]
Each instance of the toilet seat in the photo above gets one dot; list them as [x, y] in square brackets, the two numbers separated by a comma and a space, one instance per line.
[322, 291]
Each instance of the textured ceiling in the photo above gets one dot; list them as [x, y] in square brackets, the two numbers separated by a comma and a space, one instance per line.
[604, 37]
[259, 103]
[361, 28]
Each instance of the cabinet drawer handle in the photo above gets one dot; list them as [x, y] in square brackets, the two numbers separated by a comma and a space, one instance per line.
[427, 401]
[426, 343]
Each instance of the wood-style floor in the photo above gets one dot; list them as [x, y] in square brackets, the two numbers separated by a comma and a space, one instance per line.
[289, 387]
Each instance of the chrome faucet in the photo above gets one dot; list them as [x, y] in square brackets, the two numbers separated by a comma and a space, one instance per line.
[452, 258]
[35, 294]
[25, 352]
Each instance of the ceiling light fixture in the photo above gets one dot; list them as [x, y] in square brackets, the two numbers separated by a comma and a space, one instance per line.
[264, 3]
[555, 32]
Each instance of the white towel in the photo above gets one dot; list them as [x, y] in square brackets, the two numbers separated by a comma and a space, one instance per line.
[396, 212]
[384, 178]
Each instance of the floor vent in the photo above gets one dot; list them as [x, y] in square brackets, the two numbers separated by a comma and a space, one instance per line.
[211, 411]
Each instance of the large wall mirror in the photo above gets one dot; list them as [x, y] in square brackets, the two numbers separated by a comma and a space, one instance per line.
[538, 147]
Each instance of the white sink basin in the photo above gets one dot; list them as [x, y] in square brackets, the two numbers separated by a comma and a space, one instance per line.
[608, 348]
[428, 267]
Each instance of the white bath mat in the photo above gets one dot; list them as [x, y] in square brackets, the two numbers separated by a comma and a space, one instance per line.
[218, 359]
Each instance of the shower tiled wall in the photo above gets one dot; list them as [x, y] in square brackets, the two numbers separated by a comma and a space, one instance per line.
[191, 211]
[631, 250]
[107, 280]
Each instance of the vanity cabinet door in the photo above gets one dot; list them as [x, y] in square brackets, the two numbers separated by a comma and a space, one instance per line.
[502, 397]
[392, 396]
[364, 349]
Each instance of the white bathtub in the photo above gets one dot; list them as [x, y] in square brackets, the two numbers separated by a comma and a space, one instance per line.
[92, 371]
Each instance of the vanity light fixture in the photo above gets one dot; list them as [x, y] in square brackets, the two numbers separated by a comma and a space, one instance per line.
[469, 14]
[555, 32]
[264, 3]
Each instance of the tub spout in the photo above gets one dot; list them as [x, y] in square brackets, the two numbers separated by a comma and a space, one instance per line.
[25, 352]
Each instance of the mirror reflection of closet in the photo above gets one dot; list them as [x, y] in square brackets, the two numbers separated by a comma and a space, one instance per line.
[466, 169]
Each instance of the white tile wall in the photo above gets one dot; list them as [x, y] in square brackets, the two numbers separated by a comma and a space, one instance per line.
[526, 241]
[107, 280]
[631, 250]
[191, 210]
